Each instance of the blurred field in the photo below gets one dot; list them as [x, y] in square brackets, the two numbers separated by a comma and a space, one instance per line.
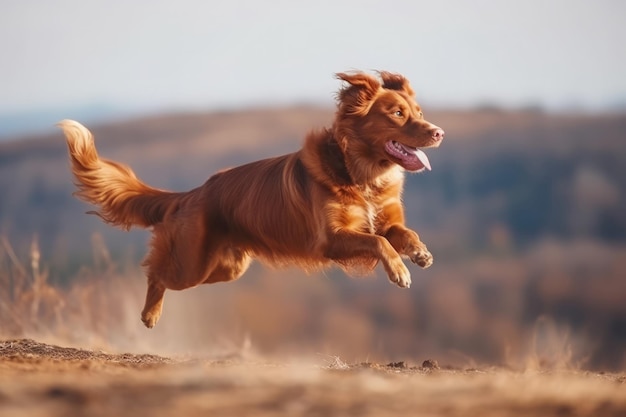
[524, 308]
[39, 379]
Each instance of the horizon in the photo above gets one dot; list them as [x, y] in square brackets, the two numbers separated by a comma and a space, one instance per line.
[28, 124]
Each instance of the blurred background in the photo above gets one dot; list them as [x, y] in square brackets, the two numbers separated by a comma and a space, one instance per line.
[524, 210]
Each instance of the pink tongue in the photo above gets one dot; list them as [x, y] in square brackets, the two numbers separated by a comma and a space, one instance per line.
[423, 158]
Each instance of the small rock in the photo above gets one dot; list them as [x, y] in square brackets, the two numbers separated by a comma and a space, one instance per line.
[400, 364]
[430, 364]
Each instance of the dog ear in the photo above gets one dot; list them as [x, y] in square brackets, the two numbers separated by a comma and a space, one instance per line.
[393, 81]
[357, 97]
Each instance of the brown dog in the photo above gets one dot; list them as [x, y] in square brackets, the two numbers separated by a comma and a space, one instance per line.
[337, 199]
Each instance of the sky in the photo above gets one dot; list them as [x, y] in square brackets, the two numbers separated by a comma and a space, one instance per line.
[195, 55]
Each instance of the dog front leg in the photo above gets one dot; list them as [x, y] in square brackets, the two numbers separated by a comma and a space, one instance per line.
[348, 244]
[408, 243]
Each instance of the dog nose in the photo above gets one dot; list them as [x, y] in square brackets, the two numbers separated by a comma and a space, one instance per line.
[438, 134]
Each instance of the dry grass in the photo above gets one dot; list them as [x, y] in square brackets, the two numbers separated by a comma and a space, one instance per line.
[81, 313]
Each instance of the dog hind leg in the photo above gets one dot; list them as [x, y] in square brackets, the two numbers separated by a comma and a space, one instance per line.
[175, 262]
[232, 265]
[183, 260]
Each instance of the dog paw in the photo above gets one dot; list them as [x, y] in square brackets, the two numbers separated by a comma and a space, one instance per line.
[150, 319]
[422, 257]
[399, 274]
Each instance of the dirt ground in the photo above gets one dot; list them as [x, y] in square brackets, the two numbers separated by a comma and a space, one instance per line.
[38, 379]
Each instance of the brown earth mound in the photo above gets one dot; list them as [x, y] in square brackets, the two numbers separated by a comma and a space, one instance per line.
[40, 379]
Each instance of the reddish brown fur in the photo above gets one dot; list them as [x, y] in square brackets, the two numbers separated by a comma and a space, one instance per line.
[337, 199]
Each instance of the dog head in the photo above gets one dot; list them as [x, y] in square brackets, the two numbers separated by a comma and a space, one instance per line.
[379, 119]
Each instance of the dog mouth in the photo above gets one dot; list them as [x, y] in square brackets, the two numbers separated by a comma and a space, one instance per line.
[409, 158]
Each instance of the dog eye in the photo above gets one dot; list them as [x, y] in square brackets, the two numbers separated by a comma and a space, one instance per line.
[398, 113]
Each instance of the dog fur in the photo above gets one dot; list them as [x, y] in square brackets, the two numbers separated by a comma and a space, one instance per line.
[338, 199]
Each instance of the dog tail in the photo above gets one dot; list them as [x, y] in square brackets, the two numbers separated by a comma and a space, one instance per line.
[123, 200]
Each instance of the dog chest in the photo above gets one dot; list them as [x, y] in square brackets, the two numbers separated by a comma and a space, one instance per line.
[354, 215]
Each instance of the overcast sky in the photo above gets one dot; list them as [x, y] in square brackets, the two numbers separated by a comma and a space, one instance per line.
[205, 54]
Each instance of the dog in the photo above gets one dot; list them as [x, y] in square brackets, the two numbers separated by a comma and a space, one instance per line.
[337, 199]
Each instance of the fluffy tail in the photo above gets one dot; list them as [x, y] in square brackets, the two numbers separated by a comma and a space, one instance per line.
[123, 200]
